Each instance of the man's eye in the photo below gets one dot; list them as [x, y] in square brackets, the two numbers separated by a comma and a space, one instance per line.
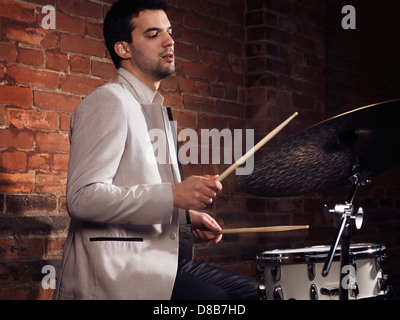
[152, 35]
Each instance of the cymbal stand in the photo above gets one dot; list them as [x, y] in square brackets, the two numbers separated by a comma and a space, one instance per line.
[359, 176]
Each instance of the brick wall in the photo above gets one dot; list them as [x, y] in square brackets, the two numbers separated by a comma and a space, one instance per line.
[240, 64]
[44, 75]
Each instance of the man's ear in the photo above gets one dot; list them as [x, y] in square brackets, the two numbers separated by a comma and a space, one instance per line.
[122, 49]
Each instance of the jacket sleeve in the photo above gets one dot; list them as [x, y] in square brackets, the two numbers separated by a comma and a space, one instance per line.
[98, 136]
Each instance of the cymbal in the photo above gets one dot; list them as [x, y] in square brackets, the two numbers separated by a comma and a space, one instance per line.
[321, 157]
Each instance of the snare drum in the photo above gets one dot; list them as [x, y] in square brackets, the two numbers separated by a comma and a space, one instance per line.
[297, 273]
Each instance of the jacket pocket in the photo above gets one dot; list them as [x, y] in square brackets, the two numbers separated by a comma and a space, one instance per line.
[97, 239]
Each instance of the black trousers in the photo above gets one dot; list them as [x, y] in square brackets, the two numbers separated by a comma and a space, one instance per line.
[199, 281]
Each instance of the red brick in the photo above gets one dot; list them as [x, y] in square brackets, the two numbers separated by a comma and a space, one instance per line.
[30, 204]
[80, 64]
[51, 183]
[30, 56]
[8, 51]
[3, 120]
[53, 142]
[57, 61]
[73, 24]
[34, 77]
[65, 120]
[55, 101]
[185, 85]
[257, 95]
[215, 58]
[185, 119]
[229, 108]
[16, 96]
[198, 103]
[75, 43]
[18, 248]
[54, 247]
[36, 36]
[81, 85]
[61, 162]
[94, 29]
[13, 137]
[198, 70]
[15, 160]
[32, 119]
[17, 11]
[201, 87]
[16, 182]
[209, 121]
[104, 69]
[33, 291]
[187, 51]
[41, 161]
[82, 7]
[169, 84]
[303, 101]
[174, 99]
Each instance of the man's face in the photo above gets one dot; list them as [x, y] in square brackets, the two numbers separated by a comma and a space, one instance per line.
[152, 46]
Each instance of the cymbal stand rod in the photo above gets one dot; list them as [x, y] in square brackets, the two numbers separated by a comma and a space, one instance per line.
[359, 176]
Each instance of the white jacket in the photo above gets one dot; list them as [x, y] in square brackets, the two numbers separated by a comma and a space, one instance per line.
[123, 239]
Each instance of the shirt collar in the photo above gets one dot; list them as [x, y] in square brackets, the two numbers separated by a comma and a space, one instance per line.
[140, 91]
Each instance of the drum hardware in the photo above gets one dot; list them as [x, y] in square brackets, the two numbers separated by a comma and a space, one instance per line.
[260, 270]
[383, 283]
[313, 292]
[278, 293]
[276, 273]
[262, 292]
[381, 262]
[359, 177]
[354, 291]
[311, 271]
[294, 265]
[320, 158]
[329, 291]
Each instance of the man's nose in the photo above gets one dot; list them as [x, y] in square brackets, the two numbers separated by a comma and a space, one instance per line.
[168, 41]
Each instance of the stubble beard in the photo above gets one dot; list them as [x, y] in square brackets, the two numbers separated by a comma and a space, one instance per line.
[158, 70]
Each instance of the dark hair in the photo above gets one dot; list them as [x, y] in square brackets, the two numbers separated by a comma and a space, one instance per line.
[117, 24]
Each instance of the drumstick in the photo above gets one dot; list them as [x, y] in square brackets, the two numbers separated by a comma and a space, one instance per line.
[261, 229]
[249, 153]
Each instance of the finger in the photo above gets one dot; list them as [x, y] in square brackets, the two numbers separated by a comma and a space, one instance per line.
[218, 238]
[211, 223]
[212, 183]
[205, 199]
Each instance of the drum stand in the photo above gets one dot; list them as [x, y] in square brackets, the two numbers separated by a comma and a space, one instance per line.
[359, 176]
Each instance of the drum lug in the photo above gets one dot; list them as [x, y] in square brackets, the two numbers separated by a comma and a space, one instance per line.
[329, 291]
[260, 271]
[262, 292]
[354, 291]
[276, 273]
[311, 271]
[381, 263]
[278, 293]
[313, 292]
[383, 283]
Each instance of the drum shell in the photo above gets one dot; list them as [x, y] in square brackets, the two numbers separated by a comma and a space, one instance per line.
[294, 280]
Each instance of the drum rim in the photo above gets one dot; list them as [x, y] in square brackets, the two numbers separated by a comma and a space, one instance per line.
[294, 255]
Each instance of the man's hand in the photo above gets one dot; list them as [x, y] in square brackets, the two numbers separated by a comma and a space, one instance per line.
[202, 225]
[196, 192]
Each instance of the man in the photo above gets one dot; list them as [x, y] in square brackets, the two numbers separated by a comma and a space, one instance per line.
[131, 216]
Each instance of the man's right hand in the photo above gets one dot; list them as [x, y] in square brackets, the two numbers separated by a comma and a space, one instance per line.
[196, 192]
